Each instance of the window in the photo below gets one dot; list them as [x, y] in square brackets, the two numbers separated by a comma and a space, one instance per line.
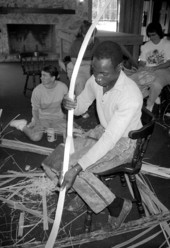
[109, 19]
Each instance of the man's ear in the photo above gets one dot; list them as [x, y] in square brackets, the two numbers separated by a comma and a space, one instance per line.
[54, 78]
[119, 67]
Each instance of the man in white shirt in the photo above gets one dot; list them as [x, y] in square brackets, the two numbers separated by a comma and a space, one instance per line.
[118, 102]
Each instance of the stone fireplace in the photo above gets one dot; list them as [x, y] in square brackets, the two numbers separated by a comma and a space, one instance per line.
[30, 38]
[35, 25]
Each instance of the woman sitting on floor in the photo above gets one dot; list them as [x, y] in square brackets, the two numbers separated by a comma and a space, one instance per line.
[46, 106]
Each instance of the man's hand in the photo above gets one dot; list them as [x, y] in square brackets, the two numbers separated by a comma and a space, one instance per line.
[70, 177]
[68, 103]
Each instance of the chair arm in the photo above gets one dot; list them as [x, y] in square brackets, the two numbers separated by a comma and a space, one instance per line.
[143, 132]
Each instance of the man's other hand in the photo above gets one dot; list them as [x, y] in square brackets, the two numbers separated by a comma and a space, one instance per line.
[70, 177]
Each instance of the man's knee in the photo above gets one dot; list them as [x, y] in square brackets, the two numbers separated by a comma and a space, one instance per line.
[156, 87]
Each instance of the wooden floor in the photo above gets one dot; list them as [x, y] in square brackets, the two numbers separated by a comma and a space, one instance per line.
[14, 103]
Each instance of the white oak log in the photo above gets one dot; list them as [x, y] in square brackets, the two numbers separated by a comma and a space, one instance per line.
[27, 147]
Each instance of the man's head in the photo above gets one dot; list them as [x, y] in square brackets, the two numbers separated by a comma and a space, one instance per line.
[84, 28]
[48, 76]
[106, 58]
[52, 70]
[109, 50]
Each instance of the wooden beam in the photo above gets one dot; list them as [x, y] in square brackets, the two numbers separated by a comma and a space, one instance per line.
[131, 226]
[59, 11]
[27, 147]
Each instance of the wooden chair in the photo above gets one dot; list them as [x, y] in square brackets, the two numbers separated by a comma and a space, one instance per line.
[142, 136]
[32, 64]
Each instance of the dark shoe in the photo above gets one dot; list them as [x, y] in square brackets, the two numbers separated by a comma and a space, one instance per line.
[115, 222]
[75, 205]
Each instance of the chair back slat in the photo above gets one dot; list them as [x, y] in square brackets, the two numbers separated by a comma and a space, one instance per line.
[32, 62]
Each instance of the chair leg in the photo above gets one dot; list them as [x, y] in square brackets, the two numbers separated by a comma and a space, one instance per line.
[88, 220]
[39, 79]
[26, 83]
[34, 81]
[137, 195]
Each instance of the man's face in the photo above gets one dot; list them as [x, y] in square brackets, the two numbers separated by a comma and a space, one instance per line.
[46, 79]
[154, 37]
[104, 72]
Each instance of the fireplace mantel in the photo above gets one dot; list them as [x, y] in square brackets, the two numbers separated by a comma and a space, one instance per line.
[7, 10]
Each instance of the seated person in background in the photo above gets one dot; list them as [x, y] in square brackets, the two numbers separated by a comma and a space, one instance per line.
[46, 102]
[154, 65]
[119, 102]
[85, 68]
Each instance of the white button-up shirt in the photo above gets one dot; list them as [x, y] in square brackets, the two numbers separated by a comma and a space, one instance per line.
[119, 111]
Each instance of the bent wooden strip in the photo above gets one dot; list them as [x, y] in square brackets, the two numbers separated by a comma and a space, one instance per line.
[69, 143]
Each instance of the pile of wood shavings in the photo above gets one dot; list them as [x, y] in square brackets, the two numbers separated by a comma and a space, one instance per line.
[38, 185]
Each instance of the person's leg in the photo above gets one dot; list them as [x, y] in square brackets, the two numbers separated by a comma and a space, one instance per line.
[90, 188]
[154, 91]
[143, 79]
[162, 79]
[98, 197]
[34, 133]
[59, 125]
